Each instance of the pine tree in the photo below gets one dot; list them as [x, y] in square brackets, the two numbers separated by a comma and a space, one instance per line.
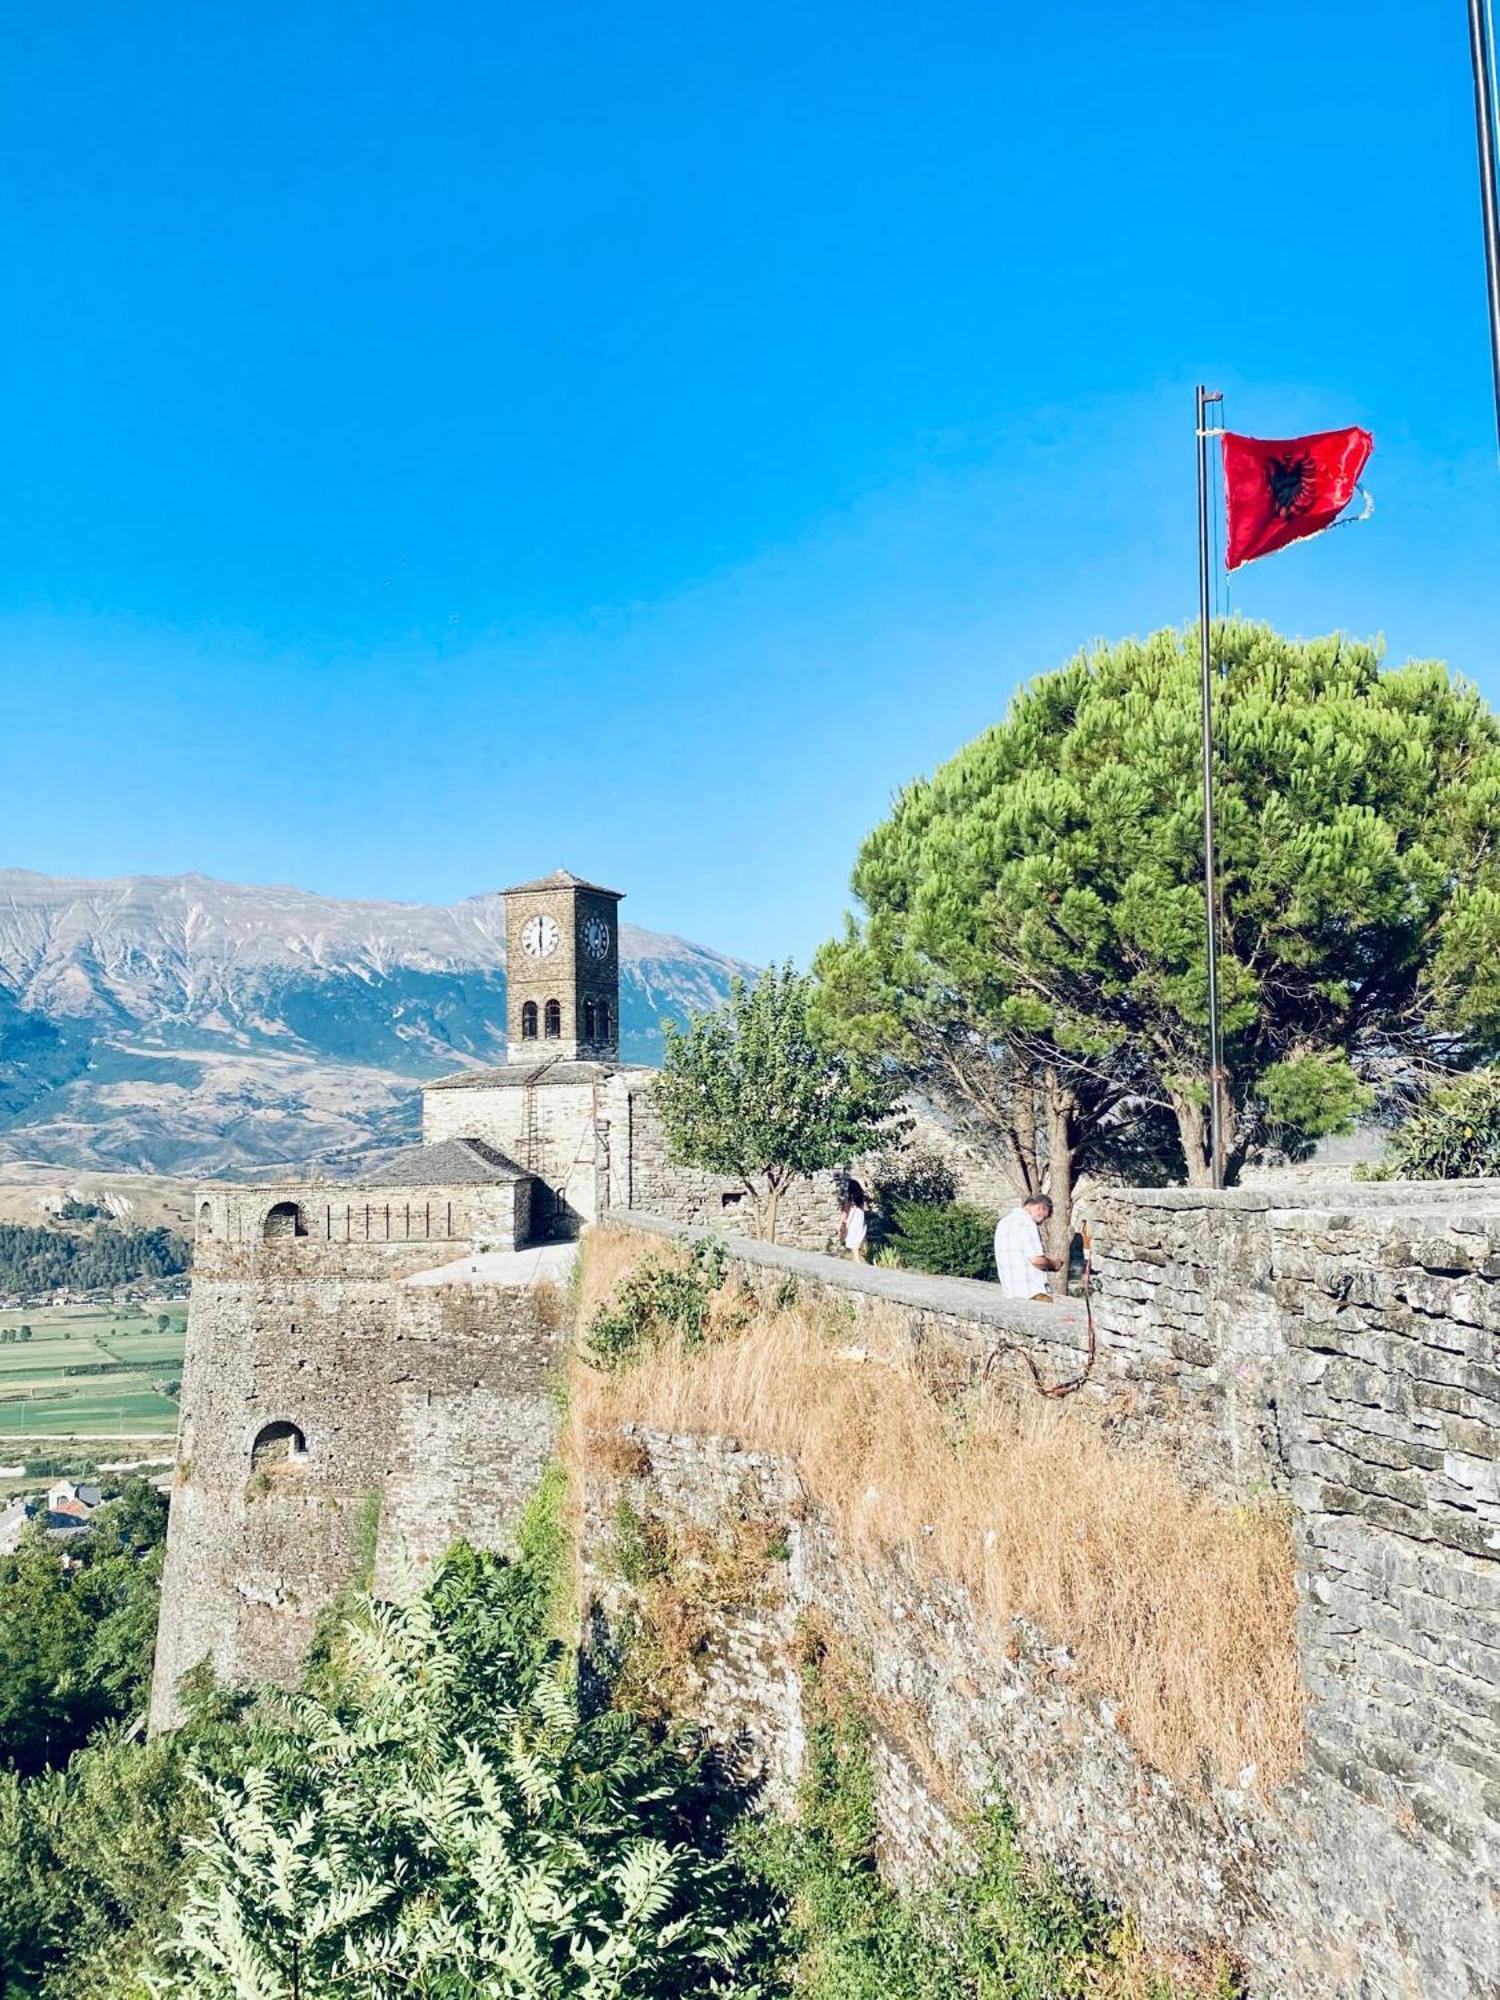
[1040, 898]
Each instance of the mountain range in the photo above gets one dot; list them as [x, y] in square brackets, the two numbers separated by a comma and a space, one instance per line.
[180, 1025]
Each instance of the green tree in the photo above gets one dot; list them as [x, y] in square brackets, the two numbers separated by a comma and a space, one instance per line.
[754, 1090]
[1044, 889]
[1452, 1133]
[163, 1322]
[92, 1856]
[25, 1332]
[76, 1638]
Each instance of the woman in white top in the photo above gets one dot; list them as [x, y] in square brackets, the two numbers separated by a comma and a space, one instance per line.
[854, 1223]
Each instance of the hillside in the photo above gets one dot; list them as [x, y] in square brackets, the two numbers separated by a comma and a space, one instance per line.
[175, 1024]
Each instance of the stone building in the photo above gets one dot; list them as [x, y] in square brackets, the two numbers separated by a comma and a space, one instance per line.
[369, 1363]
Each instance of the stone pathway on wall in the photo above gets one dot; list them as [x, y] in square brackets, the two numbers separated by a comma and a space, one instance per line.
[541, 1264]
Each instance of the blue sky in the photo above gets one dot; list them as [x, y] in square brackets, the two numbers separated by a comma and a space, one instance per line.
[442, 443]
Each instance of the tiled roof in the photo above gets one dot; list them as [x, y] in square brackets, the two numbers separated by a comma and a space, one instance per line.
[562, 878]
[452, 1163]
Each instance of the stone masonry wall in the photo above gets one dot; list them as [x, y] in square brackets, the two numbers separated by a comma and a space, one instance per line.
[1350, 1353]
[425, 1412]
[809, 1210]
[1343, 1354]
[557, 1128]
[808, 1218]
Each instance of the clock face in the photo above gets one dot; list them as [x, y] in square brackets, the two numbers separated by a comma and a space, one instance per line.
[539, 936]
[596, 937]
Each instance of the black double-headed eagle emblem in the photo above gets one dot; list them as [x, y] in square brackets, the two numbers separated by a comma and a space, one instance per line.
[1289, 484]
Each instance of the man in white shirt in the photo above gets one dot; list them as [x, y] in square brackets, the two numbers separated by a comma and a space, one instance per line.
[1020, 1259]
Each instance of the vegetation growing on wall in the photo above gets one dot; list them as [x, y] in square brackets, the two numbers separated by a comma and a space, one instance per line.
[663, 1297]
[1000, 1928]
[1176, 1606]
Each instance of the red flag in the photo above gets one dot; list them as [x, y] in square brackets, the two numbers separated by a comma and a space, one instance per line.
[1276, 490]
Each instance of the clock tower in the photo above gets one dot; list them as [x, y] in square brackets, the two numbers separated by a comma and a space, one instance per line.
[562, 971]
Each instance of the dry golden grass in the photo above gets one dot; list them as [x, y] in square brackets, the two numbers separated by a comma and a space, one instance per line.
[1174, 1605]
[607, 1258]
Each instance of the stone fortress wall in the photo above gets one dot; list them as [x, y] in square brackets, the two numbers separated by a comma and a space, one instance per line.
[349, 1405]
[369, 1376]
[1346, 1354]
[368, 1363]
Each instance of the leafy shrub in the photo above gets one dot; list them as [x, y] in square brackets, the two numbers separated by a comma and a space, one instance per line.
[439, 1815]
[658, 1301]
[1453, 1134]
[1006, 1928]
[916, 1176]
[952, 1239]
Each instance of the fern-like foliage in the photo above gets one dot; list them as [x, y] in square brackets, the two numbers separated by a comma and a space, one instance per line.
[435, 1817]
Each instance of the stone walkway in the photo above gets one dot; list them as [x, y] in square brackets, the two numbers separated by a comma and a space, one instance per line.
[519, 1270]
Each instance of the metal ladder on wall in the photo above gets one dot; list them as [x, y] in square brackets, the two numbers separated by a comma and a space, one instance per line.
[531, 1138]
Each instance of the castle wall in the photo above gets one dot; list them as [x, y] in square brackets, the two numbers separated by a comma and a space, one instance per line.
[809, 1212]
[313, 1227]
[1346, 1345]
[1344, 1354]
[425, 1411]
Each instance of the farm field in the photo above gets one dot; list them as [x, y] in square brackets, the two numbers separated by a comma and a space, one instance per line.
[124, 1396]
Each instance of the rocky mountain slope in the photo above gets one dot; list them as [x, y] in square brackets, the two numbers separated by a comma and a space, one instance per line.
[176, 1024]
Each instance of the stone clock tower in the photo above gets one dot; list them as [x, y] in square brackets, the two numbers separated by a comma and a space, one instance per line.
[562, 971]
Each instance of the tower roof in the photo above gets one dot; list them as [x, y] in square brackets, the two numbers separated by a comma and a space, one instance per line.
[562, 878]
[451, 1163]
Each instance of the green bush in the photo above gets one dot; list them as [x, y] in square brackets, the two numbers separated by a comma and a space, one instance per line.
[949, 1238]
[77, 1630]
[658, 1300]
[441, 1813]
[912, 1176]
[1453, 1134]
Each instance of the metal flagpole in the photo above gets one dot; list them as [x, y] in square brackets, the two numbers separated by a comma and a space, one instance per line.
[1210, 861]
[1482, 56]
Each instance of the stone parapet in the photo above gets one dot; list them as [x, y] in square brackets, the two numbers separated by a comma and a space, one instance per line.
[973, 1320]
[1340, 1346]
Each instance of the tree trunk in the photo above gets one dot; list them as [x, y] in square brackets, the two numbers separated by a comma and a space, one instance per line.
[1192, 1132]
[1061, 1103]
[768, 1212]
[1023, 1126]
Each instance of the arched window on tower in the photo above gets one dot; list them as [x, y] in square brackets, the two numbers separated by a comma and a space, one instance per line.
[277, 1444]
[285, 1219]
[589, 1028]
[528, 1021]
[554, 1020]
